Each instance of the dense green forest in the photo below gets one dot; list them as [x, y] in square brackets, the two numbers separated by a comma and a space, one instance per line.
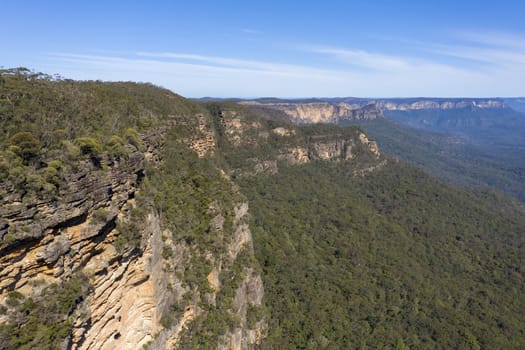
[393, 260]
[450, 157]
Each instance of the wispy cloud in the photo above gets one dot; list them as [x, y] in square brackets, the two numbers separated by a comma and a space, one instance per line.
[494, 39]
[499, 51]
[198, 75]
[469, 64]
[495, 57]
[233, 63]
[362, 58]
[251, 31]
[476, 63]
[507, 52]
[393, 67]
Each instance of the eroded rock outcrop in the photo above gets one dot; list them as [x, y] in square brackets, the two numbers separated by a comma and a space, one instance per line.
[340, 150]
[129, 296]
[203, 141]
[372, 145]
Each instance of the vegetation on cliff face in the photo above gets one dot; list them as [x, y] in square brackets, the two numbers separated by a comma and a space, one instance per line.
[43, 322]
[197, 204]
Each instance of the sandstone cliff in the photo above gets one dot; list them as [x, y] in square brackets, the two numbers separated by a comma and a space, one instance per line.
[74, 234]
[136, 274]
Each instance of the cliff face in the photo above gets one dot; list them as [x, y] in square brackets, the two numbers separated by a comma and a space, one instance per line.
[74, 234]
[50, 238]
[141, 285]
[323, 112]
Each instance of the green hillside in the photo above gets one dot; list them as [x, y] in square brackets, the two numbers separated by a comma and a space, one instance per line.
[390, 259]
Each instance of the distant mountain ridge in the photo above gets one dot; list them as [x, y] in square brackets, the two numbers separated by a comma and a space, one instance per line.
[409, 104]
[334, 110]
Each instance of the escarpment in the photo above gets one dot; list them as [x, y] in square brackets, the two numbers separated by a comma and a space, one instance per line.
[131, 232]
[118, 227]
[458, 103]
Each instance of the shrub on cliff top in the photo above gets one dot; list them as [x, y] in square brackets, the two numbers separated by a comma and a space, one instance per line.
[89, 146]
[27, 145]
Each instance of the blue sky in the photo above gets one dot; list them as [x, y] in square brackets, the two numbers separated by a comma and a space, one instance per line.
[276, 48]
